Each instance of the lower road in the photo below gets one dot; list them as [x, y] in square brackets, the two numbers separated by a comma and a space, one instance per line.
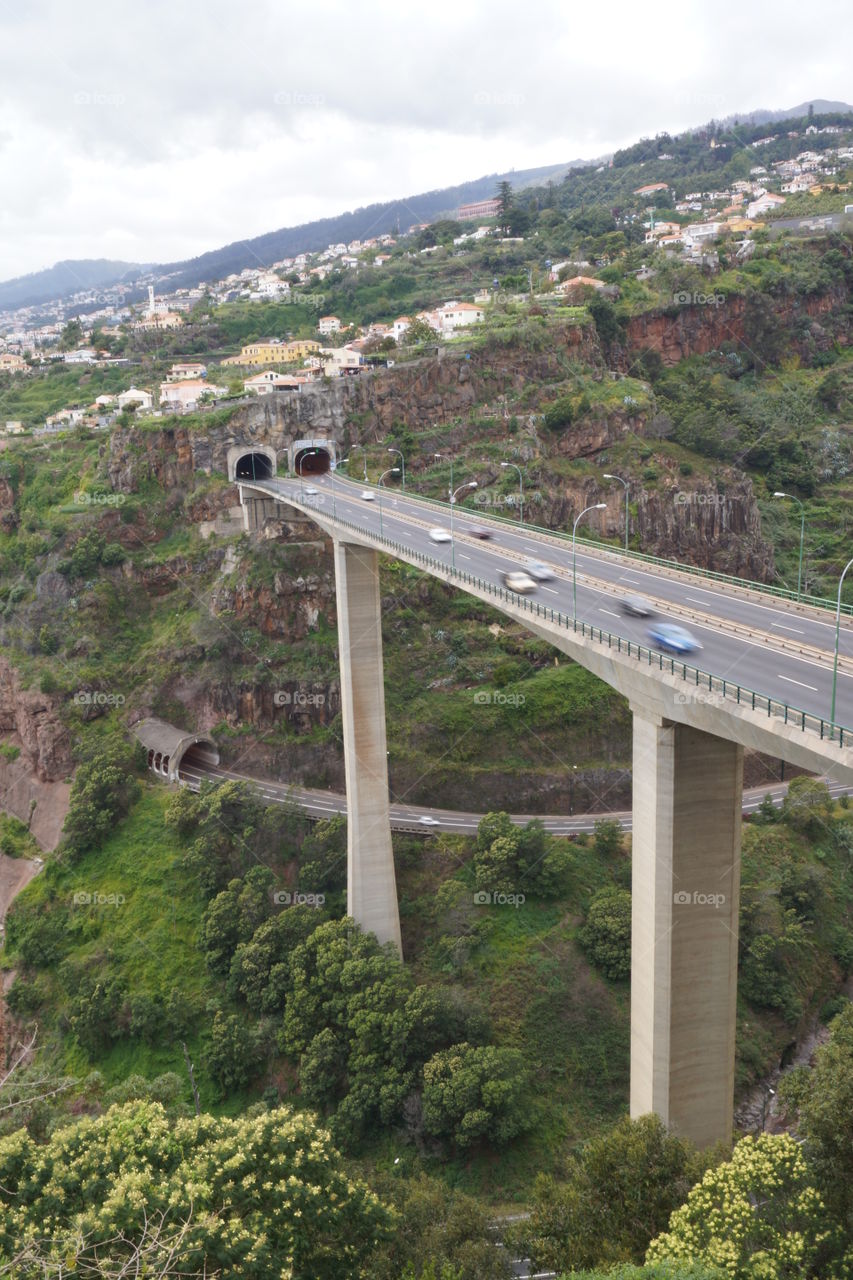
[406, 817]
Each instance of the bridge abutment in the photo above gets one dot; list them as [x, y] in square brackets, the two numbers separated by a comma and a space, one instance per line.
[687, 802]
[371, 883]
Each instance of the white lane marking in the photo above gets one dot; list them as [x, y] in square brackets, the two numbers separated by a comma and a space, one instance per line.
[551, 589]
[609, 613]
[781, 626]
[636, 581]
[788, 680]
[461, 557]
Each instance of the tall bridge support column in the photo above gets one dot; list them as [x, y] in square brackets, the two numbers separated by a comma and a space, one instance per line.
[687, 805]
[371, 885]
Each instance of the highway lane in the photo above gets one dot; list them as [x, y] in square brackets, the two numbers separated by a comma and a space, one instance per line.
[802, 680]
[406, 817]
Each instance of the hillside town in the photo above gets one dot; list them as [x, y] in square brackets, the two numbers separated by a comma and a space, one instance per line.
[672, 221]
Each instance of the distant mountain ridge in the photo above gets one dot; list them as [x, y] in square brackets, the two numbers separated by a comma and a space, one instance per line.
[67, 277]
[761, 116]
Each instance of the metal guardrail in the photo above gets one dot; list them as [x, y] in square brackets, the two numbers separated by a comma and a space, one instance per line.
[727, 689]
[781, 593]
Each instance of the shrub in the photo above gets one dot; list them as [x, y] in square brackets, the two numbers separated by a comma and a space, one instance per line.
[606, 935]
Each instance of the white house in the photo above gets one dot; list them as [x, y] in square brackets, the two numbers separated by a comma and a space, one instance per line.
[261, 384]
[134, 395]
[458, 315]
[184, 371]
[340, 360]
[764, 204]
[184, 396]
[329, 324]
[399, 327]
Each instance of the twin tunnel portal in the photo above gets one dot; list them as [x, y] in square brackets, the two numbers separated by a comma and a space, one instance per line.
[687, 788]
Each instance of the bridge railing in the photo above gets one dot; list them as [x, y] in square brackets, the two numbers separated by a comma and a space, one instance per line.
[641, 557]
[711, 687]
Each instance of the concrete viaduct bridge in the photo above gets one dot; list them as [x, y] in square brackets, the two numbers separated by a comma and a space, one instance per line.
[690, 726]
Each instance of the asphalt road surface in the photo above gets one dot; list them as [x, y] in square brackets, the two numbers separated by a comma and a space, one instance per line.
[774, 647]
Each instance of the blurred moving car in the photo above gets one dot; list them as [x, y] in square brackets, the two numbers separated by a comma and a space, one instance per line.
[674, 639]
[637, 607]
[368, 496]
[536, 569]
[480, 531]
[521, 583]
[439, 535]
[310, 491]
[427, 821]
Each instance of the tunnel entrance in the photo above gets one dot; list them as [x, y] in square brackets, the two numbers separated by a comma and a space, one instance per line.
[312, 462]
[253, 466]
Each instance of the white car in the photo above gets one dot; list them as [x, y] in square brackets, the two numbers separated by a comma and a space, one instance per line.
[538, 570]
[439, 535]
[521, 583]
[427, 821]
[368, 496]
[310, 491]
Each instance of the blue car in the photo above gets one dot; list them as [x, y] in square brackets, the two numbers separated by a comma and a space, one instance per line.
[672, 639]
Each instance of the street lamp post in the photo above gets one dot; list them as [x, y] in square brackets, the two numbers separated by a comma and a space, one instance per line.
[596, 506]
[472, 484]
[779, 494]
[300, 470]
[390, 471]
[364, 451]
[402, 467]
[837, 637]
[609, 476]
[520, 490]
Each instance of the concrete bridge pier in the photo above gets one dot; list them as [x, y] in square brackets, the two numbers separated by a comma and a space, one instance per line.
[258, 509]
[371, 883]
[687, 803]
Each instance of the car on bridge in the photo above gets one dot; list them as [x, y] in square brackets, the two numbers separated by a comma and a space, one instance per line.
[672, 638]
[368, 496]
[480, 531]
[521, 583]
[637, 607]
[440, 535]
[536, 569]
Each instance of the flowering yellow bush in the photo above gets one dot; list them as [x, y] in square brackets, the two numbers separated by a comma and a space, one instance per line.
[758, 1217]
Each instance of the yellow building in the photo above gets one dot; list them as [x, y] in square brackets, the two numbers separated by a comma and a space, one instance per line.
[274, 351]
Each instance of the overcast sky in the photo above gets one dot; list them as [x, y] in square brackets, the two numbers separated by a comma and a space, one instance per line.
[153, 130]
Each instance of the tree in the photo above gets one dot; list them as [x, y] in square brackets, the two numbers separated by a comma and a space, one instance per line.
[418, 332]
[606, 935]
[504, 195]
[621, 1189]
[756, 1215]
[821, 1099]
[104, 788]
[807, 805]
[473, 1093]
[259, 1196]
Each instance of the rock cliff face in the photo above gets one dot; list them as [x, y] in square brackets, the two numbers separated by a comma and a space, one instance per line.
[678, 332]
[345, 410]
[32, 716]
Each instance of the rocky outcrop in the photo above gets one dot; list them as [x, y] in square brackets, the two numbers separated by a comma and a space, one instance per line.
[33, 717]
[677, 332]
[346, 409]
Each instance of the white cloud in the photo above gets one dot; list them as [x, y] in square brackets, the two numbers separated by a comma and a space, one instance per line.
[157, 131]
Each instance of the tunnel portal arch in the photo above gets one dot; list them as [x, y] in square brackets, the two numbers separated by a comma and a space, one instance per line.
[313, 457]
[252, 462]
